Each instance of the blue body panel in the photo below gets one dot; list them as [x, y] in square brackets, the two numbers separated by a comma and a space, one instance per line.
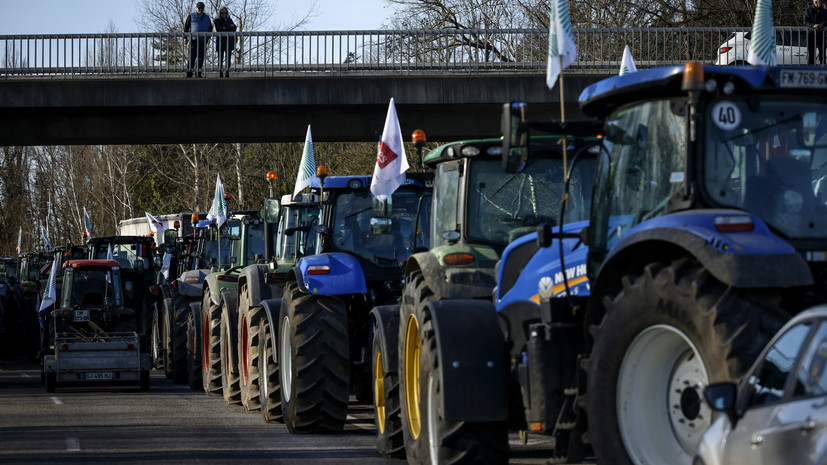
[759, 241]
[345, 276]
[546, 264]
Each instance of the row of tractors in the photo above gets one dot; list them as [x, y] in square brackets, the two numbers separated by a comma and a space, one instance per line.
[578, 279]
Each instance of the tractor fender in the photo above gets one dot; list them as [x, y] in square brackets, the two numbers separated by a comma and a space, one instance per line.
[211, 285]
[257, 289]
[472, 368]
[386, 324]
[229, 313]
[192, 289]
[272, 307]
[195, 309]
[452, 283]
[738, 259]
[345, 274]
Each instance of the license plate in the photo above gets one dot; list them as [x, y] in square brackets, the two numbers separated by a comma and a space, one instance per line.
[803, 78]
[81, 315]
[100, 376]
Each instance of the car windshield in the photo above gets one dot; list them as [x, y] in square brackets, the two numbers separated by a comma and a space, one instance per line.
[504, 207]
[91, 288]
[768, 156]
[351, 226]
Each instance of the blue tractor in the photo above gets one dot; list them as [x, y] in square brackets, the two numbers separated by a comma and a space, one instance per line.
[320, 329]
[707, 232]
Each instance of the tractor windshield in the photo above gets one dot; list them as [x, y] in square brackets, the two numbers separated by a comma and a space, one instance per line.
[351, 227]
[129, 256]
[504, 207]
[91, 288]
[295, 229]
[768, 155]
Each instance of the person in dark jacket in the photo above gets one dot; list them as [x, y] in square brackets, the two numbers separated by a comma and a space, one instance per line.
[815, 18]
[197, 21]
[224, 45]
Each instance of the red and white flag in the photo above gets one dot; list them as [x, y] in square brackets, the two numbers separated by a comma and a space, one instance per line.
[157, 226]
[391, 162]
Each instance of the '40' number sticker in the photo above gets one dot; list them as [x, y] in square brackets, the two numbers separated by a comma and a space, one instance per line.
[726, 115]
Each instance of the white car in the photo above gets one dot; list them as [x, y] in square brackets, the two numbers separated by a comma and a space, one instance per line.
[790, 48]
[778, 415]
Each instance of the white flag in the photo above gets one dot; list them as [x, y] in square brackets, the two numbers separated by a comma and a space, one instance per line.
[218, 210]
[19, 238]
[50, 294]
[46, 244]
[391, 162]
[762, 45]
[307, 167]
[157, 226]
[627, 64]
[87, 223]
[109, 255]
[561, 49]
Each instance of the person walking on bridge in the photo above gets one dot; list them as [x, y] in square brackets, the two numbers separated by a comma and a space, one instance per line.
[224, 23]
[815, 18]
[197, 21]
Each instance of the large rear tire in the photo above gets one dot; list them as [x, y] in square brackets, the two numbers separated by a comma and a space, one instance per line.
[229, 371]
[248, 342]
[268, 375]
[210, 346]
[50, 381]
[667, 334]
[415, 294]
[193, 354]
[386, 408]
[175, 340]
[314, 361]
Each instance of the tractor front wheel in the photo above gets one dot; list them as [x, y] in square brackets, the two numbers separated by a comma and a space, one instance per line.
[667, 334]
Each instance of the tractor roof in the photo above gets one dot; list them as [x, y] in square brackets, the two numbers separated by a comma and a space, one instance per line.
[604, 96]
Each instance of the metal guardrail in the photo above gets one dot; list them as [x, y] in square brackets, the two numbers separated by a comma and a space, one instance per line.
[383, 52]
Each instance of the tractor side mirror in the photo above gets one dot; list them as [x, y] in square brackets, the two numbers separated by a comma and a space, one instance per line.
[271, 210]
[515, 137]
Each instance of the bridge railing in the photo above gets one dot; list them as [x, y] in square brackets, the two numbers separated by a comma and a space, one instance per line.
[379, 51]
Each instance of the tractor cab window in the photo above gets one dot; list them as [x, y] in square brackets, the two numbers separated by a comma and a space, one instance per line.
[295, 229]
[768, 155]
[135, 257]
[255, 241]
[351, 226]
[503, 207]
[91, 288]
[641, 167]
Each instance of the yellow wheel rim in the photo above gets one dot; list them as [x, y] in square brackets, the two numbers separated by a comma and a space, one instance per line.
[412, 351]
[379, 393]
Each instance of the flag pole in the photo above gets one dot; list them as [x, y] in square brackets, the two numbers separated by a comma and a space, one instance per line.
[563, 120]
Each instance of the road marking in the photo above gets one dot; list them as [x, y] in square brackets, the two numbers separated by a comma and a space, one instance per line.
[56, 401]
[72, 444]
[25, 375]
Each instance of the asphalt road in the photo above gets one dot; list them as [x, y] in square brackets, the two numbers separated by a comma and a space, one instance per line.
[172, 424]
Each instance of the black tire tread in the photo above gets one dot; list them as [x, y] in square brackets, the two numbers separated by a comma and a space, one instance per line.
[321, 362]
[729, 327]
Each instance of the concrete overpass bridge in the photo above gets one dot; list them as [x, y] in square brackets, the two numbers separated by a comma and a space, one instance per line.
[131, 89]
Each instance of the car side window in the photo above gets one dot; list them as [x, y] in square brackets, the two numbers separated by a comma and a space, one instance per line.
[766, 383]
[810, 380]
